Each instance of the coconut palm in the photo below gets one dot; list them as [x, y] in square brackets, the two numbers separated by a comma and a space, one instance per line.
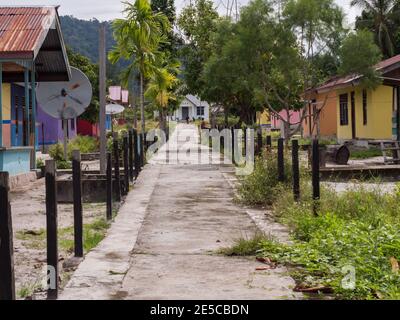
[377, 16]
[138, 37]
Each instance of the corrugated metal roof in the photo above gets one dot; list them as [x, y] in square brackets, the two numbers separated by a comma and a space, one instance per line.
[23, 29]
[382, 66]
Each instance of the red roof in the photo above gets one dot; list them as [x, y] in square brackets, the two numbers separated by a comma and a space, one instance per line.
[344, 81]
[23, 29]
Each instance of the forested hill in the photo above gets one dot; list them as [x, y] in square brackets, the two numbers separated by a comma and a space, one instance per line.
[83, 36]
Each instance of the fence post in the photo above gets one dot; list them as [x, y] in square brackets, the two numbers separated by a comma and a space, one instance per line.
[245, 140]
[130, 142]
[315, 174]
[281, 161]
[269, 143]
[136, 153]
[7, 276]
[51, 225]
[233, 144]
[109, 186]
[126, 164]
[142, 157]
[77, 194]
[259, 141]
[116, 168]
[296, 170]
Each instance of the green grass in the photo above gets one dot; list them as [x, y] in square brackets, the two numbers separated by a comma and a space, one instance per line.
[93, 233]
[245, 246]
[365, 154]
[358, 230]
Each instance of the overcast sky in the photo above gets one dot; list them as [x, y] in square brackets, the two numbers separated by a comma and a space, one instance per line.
[110, 9]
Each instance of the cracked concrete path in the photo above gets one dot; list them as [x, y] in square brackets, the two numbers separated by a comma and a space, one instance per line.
[189, 215]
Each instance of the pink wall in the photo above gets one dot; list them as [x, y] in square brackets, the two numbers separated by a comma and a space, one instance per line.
[293, 115]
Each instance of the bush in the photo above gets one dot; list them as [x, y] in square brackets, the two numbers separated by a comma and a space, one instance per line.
[84, 144]
[262, 186]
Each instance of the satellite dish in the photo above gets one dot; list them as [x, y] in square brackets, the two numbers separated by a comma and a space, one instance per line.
[114, 109]
[65, 100]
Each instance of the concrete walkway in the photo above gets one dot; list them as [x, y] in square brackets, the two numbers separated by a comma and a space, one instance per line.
[185, 212]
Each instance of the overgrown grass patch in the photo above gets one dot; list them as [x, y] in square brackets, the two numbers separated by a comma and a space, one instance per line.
[352, 245]
[93, 233]
[365, 154]
[356, 233]
[245, 246]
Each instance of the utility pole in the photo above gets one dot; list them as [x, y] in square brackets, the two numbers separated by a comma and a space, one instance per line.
[102, 93]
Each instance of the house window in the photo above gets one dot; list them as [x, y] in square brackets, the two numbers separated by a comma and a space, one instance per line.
[73, 124]
[344, 109]
[365, 105]
[200, 111]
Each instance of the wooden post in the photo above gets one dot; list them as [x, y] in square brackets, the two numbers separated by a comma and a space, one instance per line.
[296, 170]
[259, 141]
[269, 142]
[109, 186]
[245, 140]
[77, 194]
[233, 144]
[51, 224]
[116, 168]
[131, 154]
[281, 161]
[142, 156]
[136, 152]
[126, 165]
[7, 277]
[102, 96]
[315, 174]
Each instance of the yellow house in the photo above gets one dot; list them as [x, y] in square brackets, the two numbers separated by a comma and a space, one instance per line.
[366, 114]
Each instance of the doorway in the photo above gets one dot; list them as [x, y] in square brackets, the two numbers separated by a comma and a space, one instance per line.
[185, 113]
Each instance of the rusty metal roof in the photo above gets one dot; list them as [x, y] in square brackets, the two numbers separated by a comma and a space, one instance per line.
[23, 29]
[34, 33]
[385, 66]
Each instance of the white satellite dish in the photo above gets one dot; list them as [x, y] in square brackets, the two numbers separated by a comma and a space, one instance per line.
[114, 109]
[65, 100]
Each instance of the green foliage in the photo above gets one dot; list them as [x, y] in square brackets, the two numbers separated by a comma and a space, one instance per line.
[197, 22]
[381, 18]
[262, 186]
[358, 228]
[365, 154]
[39, 163]
[245, 246]
[368, 55]
[84, 144]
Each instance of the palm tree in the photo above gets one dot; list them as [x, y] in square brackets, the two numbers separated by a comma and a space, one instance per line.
[378, 16]
[138, 37]
[162, 88]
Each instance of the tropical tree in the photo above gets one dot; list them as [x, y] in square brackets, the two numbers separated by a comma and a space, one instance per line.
[138, 37]
[379, 17]
[197, 22]
[162, 89]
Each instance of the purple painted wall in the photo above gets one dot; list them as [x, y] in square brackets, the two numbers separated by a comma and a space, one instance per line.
[50, 129]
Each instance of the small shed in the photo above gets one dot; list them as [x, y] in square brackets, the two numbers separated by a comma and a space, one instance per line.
[32, 50]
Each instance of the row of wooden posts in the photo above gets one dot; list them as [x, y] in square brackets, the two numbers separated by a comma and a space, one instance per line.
[315, 167]
[133, 150]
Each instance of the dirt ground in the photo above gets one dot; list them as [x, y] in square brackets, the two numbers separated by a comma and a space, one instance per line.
[29, 222]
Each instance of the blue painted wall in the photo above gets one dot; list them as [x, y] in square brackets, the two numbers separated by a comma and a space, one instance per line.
[15, 161]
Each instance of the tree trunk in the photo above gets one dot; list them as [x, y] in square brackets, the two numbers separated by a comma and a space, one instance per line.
[142, 103]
